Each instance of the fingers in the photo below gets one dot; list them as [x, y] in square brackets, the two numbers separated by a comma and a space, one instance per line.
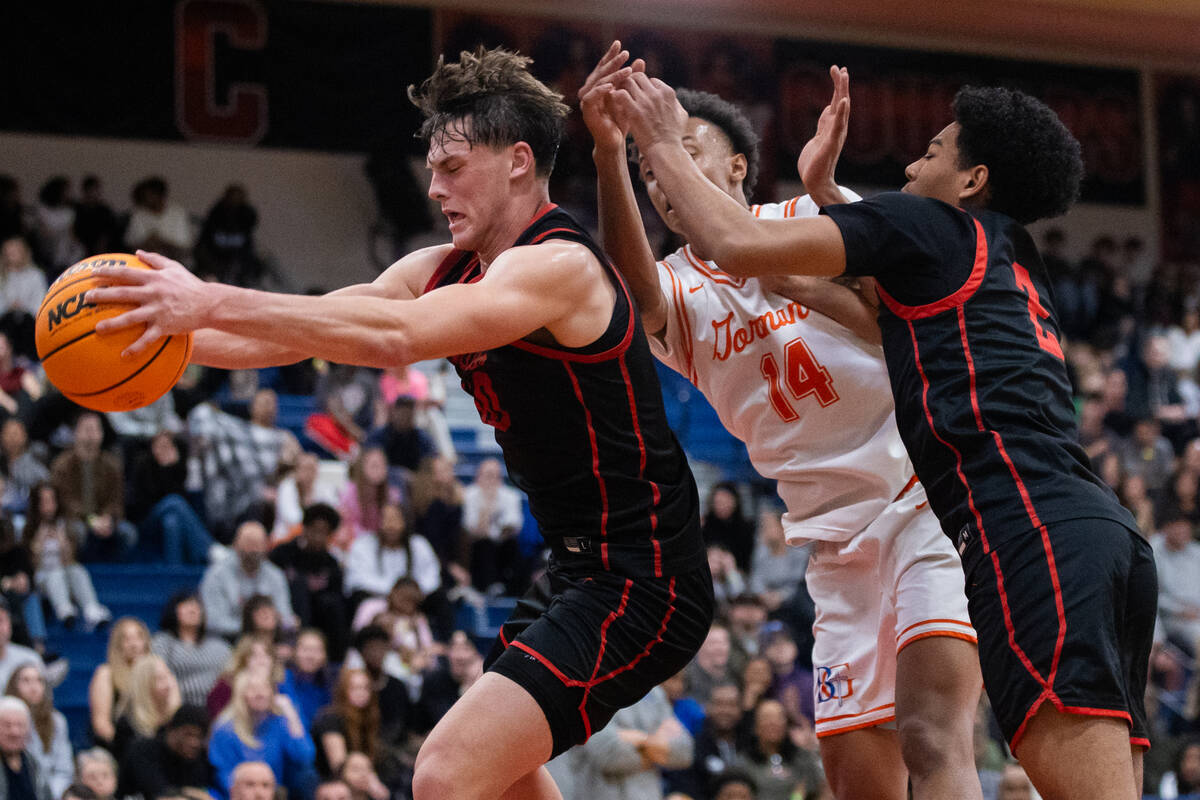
[638, 65]
[157, 261]
[115, 294]
[152, 335]
[122, 275]
[137, 316]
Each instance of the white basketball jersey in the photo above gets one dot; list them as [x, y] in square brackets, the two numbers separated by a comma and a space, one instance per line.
[810, 399]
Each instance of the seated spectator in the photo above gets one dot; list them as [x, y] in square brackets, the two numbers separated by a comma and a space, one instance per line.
[1148, 454]
[1177, 556]
[297, 491]
[229, 583]
[777, 575]
[728, 580]
[746, 616]
[96, 226]
[314, 577]
[97, 773]
[20, 388]
[1182, 497]
[1154, 393]
[689, 712]
[404, 444]
[13, 656]
[396, 713]
[377, 560]
[334, 789]
[350, 724]
[20, 468]
[54, 217]
[158, 502]
[100, 508]
[194, 657]
[260, 725]
[251, 654]
[157, 225]
[50, 743]
[346, 397]
[778, 767]
[626, 757]
[717, 743]
[261, 620]
[128, 642]
[733, 785]
[225, 247]
[139, 426]
[359, 774]
[22, 288]
[173, 762]
[440, 690]
[64, 582]
[253, 780]
[152, 699]
[437, 504]
[77, 791]
[711, 664]
[493, 518]
[400, 613]
[791, 683]
[22, 778]
[1184, 778]
[1133, 496]
[308, 681]
[362, 498]
[757, 683]
[17, 588]
[725, 523]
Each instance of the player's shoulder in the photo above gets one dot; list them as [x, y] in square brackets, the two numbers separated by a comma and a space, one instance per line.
[799, 206]
[413, 271]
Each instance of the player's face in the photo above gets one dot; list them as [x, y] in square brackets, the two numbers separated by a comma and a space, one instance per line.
[710, 149]
[471, 184]
[937, 174]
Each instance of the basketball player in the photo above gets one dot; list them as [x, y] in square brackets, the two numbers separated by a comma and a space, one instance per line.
[1060, 586]
[901, 657]
[543, 332]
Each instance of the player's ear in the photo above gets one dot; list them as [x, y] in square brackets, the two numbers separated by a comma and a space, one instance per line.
[975, 186]
[523, 162]
[737, 168]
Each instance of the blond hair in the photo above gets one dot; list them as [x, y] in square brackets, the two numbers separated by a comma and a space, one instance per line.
[119, 669]
[238, 713]
[143, 709]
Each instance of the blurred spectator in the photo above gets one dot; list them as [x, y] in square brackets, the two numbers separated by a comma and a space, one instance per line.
[359, 774]
[1182, 497]
[350, 724]
[1133, 496]
[778, 767]
[711, 664]
[1177, 556]
[1183, 342]
[493, 518]
[158, 501]
[396, 708]
[728, 580]
[195, 657]
[346, 397]
[626, 757]
[91, 489]
[298, 490]
[17, 588]
[12, 656]
[725, 523]
[77, 791]
[791, 683]
[334, 789]
[1184, 779]
[49, 743]
[441, 688]
[757, 683]
[253, 780]
[230, 582]
[717, 742]
[54, 220]
[251, 654]
[225, 247]
[689, 712]
[260, 725]
[777, 574]
[362, 498]
[315, 577]
[108, 691]
[437, 504]
[308, 680]
[400, 614]
[1154, 392]
[20, 388]
[734, 785]
[377, 560]
[261, 620]
[157, 225]
[402, 442]
[20, 468]
[97, 773]
[22, 289]
[96, 226]
[746, 616]
[173, 762]
[63, 581]
[1095, 439]
[23, 780]
[152, 698]
[14, 216]
[139, 426]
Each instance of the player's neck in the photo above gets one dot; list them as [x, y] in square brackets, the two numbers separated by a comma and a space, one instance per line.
[515, 218]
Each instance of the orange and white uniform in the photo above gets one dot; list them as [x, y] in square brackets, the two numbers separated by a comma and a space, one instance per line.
[813, 404]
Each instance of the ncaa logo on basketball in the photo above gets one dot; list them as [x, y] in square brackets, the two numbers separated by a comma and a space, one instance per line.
[833, 683]
[67, 309]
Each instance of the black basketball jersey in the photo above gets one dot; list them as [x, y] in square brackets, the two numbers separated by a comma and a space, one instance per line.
[584, 431]
[983, 401]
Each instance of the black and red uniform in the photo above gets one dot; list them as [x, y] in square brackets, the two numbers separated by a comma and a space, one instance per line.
[627, 599]
[1062, 589]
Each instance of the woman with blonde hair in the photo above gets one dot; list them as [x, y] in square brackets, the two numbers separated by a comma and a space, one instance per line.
[49, 741]
[128, 641]
[152, 698]
[250, 653]
[259, 724]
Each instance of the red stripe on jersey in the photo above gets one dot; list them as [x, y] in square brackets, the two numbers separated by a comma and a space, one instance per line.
[685, 325]
[541, 236]
[911, 483]
[637, 432]
[716, 276]
[548, 664]
[541, 212]
[587, 723]
[657, 637]
[451, 260]
[1029, 509]
[587, 415]
[963, 294]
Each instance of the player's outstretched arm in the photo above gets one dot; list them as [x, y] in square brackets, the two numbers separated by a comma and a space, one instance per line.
[844, 305]
[620, 221]
[728, 233]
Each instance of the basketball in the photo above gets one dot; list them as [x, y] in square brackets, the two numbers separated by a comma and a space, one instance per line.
[87, 366]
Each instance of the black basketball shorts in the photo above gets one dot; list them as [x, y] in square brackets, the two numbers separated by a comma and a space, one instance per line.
[1065, 615]
[587, 643]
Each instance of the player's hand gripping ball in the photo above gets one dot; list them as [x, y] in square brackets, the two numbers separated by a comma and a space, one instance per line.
[87, 366]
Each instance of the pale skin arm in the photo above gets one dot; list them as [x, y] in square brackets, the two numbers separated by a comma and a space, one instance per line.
[733, 237]
[335, 749]
[100, 693]
[554, 285]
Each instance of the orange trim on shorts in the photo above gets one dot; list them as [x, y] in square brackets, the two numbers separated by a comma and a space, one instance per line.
[900, 635]
[858, 714]
[928, 634]
[858, 727]
[911, 483]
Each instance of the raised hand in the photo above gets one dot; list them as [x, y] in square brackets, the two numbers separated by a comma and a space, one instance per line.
[610, 71]
[647, 107]
[819, 158]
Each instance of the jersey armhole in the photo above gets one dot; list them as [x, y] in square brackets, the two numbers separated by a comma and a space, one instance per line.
[954, 300]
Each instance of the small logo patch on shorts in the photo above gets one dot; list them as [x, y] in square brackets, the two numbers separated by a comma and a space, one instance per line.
[964, 538]
[577, 544]
[833, 683]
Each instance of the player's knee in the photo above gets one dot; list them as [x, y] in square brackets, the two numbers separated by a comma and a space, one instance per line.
[435, 778]
[928, 745]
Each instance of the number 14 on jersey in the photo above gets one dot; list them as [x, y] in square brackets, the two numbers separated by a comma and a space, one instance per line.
[802, 375]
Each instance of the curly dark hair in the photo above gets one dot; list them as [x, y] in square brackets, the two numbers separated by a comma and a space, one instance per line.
[732, 121]
[1034, 163]
[505, 103]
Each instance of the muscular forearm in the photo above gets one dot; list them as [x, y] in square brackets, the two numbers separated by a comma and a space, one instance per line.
[625, 238]
[840, 303]
[212, 348]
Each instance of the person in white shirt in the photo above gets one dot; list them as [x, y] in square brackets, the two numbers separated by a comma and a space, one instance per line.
[376, 560]
[492, 518]
[809, 394]
[1177, 556]
[156, 224]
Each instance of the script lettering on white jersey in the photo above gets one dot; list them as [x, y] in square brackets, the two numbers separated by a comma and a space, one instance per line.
[730, 340]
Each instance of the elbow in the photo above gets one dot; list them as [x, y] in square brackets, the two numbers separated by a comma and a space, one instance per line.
[391, 349]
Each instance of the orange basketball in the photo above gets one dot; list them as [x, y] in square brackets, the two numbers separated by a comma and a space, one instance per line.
[87, 366]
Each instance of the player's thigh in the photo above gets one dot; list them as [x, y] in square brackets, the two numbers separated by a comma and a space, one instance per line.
[1077, 757]
[865, 764]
